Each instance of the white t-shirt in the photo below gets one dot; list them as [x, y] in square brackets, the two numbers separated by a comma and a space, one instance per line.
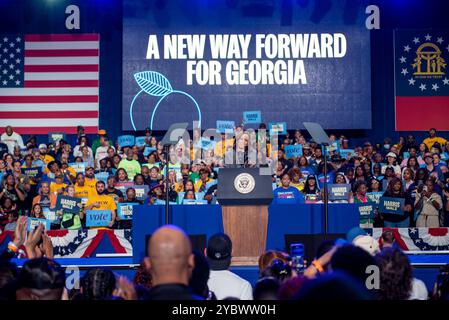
[225, 283]
[419, 290]
[11, 141]
[101, 153]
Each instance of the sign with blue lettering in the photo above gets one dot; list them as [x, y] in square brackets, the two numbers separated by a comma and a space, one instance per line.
[347, 153]
[148, 150]
[68, 204]
[277, 127]
[252, 117]
[102, 176]
[374, 196]
[293, 151]
[339, 191]
[33, 223]
[126, 141]
[78, 166]
[391, 205]
[329, 176]
[34, 172]
[205, 144]
[98, 218]
[49, 214]
[366, 210]
[56, 136]
[125, 210]
[332, 148]
[193, 201]
[140, 141]
[141, 192]
[224, 126]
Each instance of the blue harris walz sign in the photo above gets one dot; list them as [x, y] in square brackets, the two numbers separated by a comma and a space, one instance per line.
[391, 205]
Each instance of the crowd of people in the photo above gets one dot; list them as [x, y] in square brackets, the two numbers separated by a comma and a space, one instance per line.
[355, 268]
[104, 174]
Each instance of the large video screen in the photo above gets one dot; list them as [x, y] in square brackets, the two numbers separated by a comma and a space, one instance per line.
[209, 61]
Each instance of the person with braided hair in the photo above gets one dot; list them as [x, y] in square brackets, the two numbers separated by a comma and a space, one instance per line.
[98, 284]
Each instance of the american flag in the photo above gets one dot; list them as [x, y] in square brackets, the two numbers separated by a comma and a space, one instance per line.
[49, 83]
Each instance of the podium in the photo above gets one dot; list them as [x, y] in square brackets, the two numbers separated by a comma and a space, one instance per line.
[244, 196]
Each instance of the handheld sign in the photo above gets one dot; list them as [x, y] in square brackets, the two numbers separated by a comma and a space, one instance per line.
[125, 210]
[56, 136]
[406, 155]
[252, 117]
[347, 153]
[147, 151]
[224, 126]
[206, 144]
[34, 172]
[33, 223]
[49, 214]
[338, 191]
[98, 218]
[193, 201]
[102, 176]
[374, 196]
[293, 151]
[329, 179]
[333, 147]
[78, 166]
[140, 141]
[68, 204]
[277, 127]
[126, 141]
[366, 210]
[391, 205]
[141, 192]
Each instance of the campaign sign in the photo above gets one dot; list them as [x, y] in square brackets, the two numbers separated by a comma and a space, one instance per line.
[406, 155]
[366, 210]
[293, 151]
[140, 141]
[391, 205]
[338, 191]
[122, 186]
[252, 117]
[33, 223]
[147, 151]
[34, 172]
[329, 179]
[277, 127]
[49, 214]
[78, 166]
[333, 147]
[68, 204]
[126, 141]
[56, 136]
[224, 126]
[347, 153]
[193, 201]
[98, 218]
[125, 210]
[102, 176]
[141, 192]
[374, 196]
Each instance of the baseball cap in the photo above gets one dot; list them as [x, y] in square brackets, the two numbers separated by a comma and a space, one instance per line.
[219, 251]
[367, 243]
[102, 132]
[42, 146]
[391, 154]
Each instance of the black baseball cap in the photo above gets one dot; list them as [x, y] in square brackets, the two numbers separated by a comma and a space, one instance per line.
[219, 251]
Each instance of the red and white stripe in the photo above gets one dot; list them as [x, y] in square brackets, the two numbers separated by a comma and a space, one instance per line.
[61, 87]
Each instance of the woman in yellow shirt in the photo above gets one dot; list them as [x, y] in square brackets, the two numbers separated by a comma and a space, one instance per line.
[58, 186]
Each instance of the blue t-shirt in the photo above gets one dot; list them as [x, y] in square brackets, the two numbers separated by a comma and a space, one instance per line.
[291, 195]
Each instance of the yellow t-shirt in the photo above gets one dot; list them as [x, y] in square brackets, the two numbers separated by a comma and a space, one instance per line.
[106, 202]
[54, 187]
[84, 191]
[91, 183]
[200, 182]
[430, 141]
[220, 147]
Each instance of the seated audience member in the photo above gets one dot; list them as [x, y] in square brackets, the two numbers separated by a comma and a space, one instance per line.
[57, 186]
[374, 185]
[395, 189]
[112, 191]
[131, 165]
[396, 277]
[428, 204]
[296, 178]
[432, 138]
[40, 279]
[200, 276]
[81, 189]
[201, 184]
[170, 262]
[98, 284]
[223, 282]
[266, 288]
[311, 187]
[89, 179]
[286, 194]
[101, 201]
[45, 198]
[121, 176]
